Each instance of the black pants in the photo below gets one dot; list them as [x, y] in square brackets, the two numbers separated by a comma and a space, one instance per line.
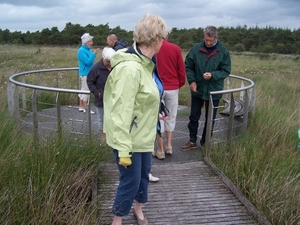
[195, 114]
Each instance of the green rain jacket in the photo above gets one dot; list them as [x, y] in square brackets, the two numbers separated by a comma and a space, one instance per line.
[198, 61]
[131, 104]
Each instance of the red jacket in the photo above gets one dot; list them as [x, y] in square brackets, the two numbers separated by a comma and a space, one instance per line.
[170, 66]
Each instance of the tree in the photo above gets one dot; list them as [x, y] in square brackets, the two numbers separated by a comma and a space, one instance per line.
[240, 38]
[5, 36]
[239, 47]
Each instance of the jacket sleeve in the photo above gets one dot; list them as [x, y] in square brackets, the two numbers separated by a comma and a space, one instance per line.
[190, 67]
[87, 58]
[91, 80]
[180, 70]
[224, 68]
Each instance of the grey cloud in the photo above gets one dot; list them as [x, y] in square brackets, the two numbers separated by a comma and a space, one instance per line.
[176, 13]
[37, 3]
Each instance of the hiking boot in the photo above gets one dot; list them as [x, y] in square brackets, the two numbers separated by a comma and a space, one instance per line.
[189, 145]
[159, 155]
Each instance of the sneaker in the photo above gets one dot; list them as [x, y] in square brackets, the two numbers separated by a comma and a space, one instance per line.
[92, 112]
[81, 109]
[189, 145]
[159, 155]
[153, 178]
[169, 151]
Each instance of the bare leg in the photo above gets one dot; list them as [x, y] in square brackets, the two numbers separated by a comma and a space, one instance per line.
[82, 104]
[169, 139]
[138, 210]
[117, 220]
[160, 143]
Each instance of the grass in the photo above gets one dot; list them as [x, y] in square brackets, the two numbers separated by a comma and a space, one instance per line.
[265, 163]
[52, 183]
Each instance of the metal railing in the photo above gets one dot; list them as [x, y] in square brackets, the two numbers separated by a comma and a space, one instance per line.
[18, 95]
[13, 96]
[244, 96]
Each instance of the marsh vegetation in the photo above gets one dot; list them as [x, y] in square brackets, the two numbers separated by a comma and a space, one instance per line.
[52, 183]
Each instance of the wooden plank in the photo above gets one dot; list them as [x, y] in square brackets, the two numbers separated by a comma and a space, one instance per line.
[250, 207]
[187, 193]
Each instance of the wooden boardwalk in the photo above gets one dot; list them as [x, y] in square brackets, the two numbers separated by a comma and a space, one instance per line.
[187, 193]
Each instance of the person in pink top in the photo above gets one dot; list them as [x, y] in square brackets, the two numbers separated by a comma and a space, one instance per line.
[171, 69]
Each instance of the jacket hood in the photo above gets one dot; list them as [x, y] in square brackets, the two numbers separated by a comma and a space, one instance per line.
[122, 43]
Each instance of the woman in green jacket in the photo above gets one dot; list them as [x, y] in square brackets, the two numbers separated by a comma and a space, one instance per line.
[131, 107]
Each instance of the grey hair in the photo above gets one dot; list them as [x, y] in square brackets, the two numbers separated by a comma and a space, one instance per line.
[211, 31]
[107, 53]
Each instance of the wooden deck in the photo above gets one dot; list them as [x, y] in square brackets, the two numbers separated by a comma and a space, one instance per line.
[190, 190]
[187, 193]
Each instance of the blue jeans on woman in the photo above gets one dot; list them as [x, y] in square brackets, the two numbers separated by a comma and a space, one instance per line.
[134, 181]
[197, 104]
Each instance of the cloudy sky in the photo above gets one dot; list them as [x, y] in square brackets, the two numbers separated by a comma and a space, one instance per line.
[35, 15]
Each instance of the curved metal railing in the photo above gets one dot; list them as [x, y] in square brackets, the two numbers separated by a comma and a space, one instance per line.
[21, 103]
[238, 105]
[17, 83]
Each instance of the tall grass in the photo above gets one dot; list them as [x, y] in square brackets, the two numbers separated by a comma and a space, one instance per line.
[51, 183]
[265, 163]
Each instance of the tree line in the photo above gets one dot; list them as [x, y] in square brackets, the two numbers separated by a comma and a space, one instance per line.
[238, 39]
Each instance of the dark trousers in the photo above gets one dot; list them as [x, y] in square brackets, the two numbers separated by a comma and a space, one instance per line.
[197, 104]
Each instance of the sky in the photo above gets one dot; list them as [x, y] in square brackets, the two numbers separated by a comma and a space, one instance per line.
[36, 15]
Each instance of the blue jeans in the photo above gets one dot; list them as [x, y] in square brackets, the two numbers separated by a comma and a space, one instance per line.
[197, 104]
[134, 181]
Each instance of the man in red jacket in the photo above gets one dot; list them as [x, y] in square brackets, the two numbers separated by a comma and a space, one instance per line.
[171, 70]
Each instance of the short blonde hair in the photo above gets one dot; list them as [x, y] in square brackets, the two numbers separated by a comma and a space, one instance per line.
[148, 29]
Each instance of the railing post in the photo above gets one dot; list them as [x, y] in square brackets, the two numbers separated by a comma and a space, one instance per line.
[58, 113]
[12, 99]
[34, 115]
[89, 121]
[39, 84]
[246, 110]
[57, 78]
[231, 117]
[208, 140]
[23, 94]
[227, 86]
[242, 92]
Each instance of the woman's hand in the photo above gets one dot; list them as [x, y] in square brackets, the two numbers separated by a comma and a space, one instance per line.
[162, 116]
